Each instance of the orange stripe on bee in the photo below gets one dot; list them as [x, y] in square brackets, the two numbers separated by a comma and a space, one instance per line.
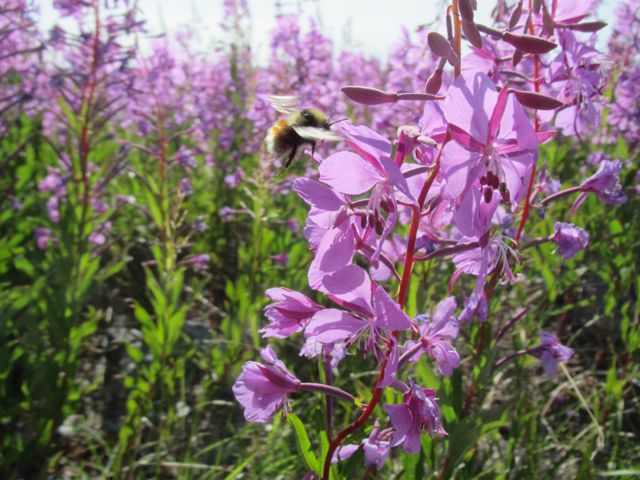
[281, 127]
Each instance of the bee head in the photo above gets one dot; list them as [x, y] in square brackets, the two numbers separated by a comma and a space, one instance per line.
[310, 117]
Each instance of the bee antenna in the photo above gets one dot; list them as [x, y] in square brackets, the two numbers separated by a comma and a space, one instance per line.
[337, 121]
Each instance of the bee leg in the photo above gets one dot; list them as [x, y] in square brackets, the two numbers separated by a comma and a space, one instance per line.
[313, 149]
[292, 155]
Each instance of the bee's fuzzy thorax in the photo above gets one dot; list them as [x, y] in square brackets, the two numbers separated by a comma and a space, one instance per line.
[309, 117]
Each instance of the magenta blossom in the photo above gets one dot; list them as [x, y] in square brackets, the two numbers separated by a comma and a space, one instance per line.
[605, 183]
[436, 335]
[371, 168]
[53, 182]
[551, 352]
[570, 239]
[289, 313]
[371, 309]
[376, 448]
[494, 139]
[199, 262]
[333, 353]
[417, 414]
[44, 237]
[480, 262]
[263, 389]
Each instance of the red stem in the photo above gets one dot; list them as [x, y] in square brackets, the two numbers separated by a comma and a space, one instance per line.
[536, 85]
[402, 295]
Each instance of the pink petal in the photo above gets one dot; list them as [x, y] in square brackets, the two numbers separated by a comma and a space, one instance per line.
[335, 251]
[469, 99]
[496, 115]
[456, 162]
[350, 287]
[332, 325]
[464, 139]
[396, 178]
[389, 315]
[349, 173]
[401, 420]
[371, 145]
[317, 195]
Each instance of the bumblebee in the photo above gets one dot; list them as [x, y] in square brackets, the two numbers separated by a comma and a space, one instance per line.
[301, 126]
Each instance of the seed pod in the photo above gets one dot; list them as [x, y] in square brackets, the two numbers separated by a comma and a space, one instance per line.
[515, 15]
[529, 43]
[368, 95]
[466, 9]
[517, 57]
[585, 26]
[536, 5]
[536, 100]
[417, 96]
[471, 32]
[547, 21]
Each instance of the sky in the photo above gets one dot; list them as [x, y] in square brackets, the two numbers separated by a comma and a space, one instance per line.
[371, 26]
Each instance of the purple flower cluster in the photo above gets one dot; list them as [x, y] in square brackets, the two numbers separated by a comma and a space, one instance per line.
[461, 180]
[624, 44]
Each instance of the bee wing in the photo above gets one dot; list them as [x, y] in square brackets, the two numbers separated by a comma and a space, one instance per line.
[283, 104]
[314, 133]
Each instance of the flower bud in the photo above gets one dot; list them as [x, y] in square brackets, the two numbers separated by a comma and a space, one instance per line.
[517, 57]
[547, 20]
[536, 100]
[466, 9]
[528, 43]
[418, 96]
[471, 33]
[536, 5]
[515, 15]
[368, 95]
[585, 26]
[439, 45]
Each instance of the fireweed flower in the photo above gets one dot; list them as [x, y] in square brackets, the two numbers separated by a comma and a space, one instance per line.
[394, 248]
[53, 182]
[376, 448]
[371, 308]
[576, 79]
[605, 183]
[332, 352]
[53, 209]
[494, 140]
[570, 239]
[199, 262]
[417, 414]
[551, 352]
[44, 237]
[262, 389]
[289, 313]
[329, 229]
[480, 262]
[436, 335]
[371, 168]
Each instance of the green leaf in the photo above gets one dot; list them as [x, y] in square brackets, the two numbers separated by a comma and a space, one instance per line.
[304, 445]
